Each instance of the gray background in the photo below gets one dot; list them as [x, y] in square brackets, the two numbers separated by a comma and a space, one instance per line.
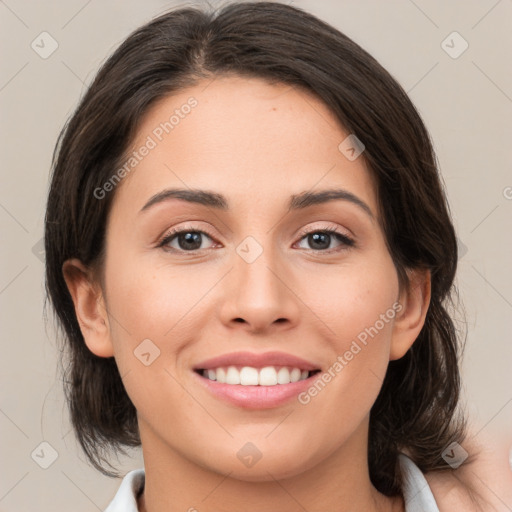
[466, 103]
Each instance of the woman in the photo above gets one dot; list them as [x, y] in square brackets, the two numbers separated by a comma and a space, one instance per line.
[250, 252]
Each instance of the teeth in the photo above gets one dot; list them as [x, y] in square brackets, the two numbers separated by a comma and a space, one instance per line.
[295, 375]
[232, 376]
[249, 376]
[220, 375]
[283, 376]
[268, 376]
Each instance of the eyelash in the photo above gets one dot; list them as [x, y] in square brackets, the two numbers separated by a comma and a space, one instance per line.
[346, 241]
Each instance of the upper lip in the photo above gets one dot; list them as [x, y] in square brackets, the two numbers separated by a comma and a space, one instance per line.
[256, 361]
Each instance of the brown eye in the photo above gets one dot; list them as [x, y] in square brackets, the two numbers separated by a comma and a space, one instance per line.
[320, 240]
[186, 240]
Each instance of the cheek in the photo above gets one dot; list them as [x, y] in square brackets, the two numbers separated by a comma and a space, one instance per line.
[152, 315]
[350, 299]
[357, 306]
[152, 304]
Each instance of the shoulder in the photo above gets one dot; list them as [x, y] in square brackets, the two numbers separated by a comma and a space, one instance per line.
[484, 485]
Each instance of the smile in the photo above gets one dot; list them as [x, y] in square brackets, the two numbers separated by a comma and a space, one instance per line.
[251, 376]
[251, 380]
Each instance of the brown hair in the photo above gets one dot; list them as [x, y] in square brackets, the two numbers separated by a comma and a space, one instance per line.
[416, 409]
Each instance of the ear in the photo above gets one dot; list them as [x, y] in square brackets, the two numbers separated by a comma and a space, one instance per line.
[90, 307]
[410, 318]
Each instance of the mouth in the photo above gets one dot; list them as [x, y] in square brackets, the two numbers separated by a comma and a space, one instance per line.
[238, 387]
[235, 375]
[256, 381]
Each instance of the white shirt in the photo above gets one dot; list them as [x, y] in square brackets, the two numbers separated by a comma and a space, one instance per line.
[417, 494]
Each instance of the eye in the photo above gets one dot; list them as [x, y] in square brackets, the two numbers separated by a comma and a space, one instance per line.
[320, 240]
[187, 240]
[190, 240]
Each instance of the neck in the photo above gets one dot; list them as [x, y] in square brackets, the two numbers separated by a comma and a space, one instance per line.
[339, 482]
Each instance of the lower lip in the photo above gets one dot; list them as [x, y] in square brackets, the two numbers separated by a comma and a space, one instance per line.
[256, 397]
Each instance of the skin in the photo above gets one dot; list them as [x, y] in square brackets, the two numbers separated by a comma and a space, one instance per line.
[256, 144]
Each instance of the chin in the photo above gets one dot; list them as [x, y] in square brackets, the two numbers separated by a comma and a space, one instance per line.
[265, 472]
[251, 465]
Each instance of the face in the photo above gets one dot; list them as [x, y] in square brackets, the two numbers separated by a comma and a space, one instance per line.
[311, 287]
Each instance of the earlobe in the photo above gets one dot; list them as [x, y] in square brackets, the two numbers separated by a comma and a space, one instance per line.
[410, 319]
[89, 307]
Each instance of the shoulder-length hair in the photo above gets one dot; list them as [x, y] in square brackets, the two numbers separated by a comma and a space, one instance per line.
[416, 409]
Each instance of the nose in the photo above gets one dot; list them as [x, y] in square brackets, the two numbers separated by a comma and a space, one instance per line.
[259, 293]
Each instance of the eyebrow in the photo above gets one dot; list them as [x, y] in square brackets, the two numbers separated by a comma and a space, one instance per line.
[220, 202]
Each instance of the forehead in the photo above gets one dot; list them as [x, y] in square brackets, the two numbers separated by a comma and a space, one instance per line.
[252, 140]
